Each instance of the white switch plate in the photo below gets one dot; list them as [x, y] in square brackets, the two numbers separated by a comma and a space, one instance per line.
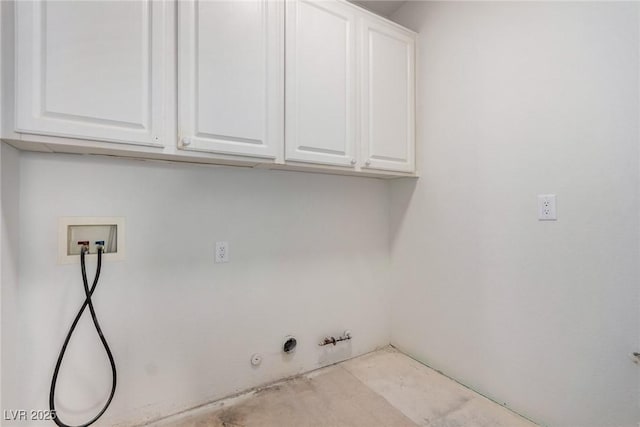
[547, 207]
[222, 252]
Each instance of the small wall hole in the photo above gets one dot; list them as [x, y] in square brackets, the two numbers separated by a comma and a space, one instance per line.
[289, 345]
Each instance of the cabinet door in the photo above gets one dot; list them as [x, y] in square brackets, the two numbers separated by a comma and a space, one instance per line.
[387, 97]
[91, 69]
[231, 77]
[320, 82]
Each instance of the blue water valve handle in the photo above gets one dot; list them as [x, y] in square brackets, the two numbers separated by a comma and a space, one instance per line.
[100, 244]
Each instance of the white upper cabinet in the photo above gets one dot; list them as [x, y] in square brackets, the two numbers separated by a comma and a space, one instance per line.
[387, 96]
[293, 84]
[321, 82]
[91, 70]
[231, 77]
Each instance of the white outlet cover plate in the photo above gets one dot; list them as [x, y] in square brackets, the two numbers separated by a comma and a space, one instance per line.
[547, 207]
[65, 222]
[222, 252]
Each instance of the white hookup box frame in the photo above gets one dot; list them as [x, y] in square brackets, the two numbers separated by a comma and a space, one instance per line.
[69, 252]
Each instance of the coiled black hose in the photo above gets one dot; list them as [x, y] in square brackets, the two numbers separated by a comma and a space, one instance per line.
[87, 302]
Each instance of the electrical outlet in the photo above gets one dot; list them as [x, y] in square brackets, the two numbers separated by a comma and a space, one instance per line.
[547, 207]
[222, 252]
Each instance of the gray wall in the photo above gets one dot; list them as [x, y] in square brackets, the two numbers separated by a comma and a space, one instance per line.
[308, 257]
[518, 99]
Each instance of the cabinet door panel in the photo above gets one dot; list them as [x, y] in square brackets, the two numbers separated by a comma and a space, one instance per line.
[320, 87]
[387, 97]
[231, 77]
[91, 69]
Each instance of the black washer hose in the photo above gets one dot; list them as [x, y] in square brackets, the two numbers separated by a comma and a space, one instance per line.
[87, 302]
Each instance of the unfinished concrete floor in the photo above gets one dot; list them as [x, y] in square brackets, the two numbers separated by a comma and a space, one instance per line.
[383, 388]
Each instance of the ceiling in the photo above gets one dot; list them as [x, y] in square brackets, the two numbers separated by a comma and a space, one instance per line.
[381, 7]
